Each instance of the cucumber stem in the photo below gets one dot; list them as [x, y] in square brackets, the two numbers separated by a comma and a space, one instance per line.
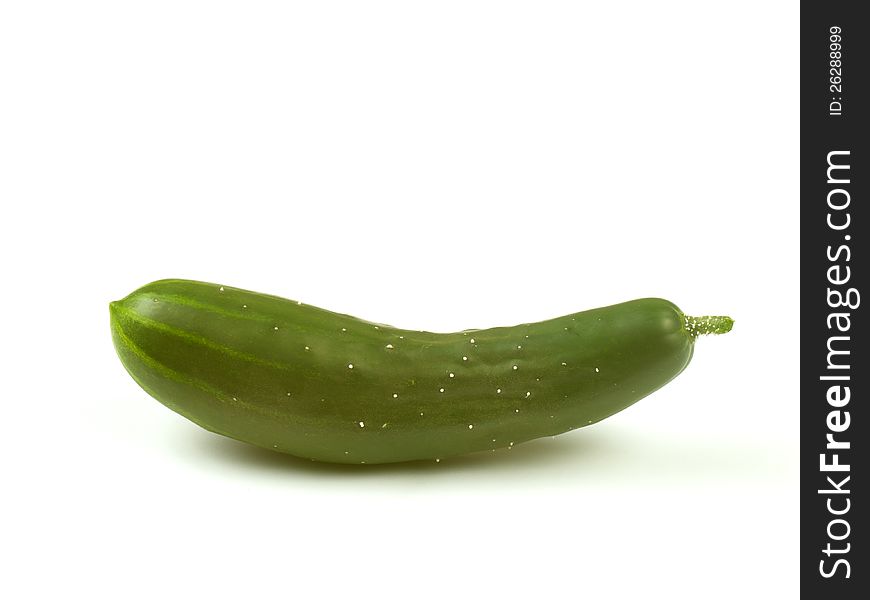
[705, 325]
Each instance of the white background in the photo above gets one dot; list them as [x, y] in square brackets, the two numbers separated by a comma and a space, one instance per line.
[434, 165]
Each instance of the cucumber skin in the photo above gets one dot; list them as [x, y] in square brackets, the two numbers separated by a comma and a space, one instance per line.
[275, 373]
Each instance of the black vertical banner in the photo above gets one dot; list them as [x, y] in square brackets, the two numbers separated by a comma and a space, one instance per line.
[834, 370]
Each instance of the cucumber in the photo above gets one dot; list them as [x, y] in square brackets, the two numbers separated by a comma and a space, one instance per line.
[294, 378]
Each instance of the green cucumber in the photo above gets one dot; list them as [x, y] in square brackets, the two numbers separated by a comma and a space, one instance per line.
[330, 387]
